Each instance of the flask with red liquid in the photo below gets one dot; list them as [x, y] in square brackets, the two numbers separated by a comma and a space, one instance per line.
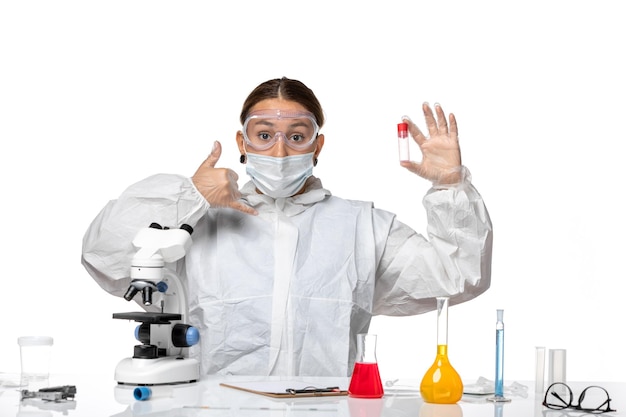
[366, 382]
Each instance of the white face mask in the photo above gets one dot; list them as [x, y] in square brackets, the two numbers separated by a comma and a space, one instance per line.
[279, 177]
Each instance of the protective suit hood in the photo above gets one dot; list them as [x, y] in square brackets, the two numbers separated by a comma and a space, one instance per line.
[290, 206]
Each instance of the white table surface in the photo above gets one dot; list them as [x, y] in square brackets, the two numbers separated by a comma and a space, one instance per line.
[99, 395]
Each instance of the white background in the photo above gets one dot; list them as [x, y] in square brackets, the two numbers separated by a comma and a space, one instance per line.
[96, 95]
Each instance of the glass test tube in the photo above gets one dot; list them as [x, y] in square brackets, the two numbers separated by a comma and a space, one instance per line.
[403, 141]
[540, 366]
[557, 370]
[499, 384]
[499, 389]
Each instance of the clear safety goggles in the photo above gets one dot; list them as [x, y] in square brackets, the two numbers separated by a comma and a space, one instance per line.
[264, 128]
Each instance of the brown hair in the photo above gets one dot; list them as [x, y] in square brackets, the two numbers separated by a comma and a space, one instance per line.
[286, 89]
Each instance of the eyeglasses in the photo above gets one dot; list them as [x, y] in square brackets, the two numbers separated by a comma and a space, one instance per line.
[264, 128]
[593, 399]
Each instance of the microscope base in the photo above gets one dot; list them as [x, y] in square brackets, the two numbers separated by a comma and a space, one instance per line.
[164, 370]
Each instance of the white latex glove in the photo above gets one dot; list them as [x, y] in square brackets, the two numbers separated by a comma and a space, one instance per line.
[441, 154]
[219, 185]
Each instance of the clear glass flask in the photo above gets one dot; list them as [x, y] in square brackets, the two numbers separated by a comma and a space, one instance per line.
[442, 384]
[365, 381]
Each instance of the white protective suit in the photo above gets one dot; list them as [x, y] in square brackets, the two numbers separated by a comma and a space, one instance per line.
[286, 292]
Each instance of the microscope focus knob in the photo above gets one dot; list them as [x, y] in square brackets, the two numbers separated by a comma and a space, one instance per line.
[146, 352]
[142, 333]
[162, 286]
[184, 335]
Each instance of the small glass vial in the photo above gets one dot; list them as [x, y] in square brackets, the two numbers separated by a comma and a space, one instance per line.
[403, 141]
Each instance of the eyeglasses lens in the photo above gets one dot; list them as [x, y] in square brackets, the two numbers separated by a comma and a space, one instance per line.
[558, 396]
[593, 399]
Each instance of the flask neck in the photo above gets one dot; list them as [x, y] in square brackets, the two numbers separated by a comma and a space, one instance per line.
[442, 321]
[366, 348]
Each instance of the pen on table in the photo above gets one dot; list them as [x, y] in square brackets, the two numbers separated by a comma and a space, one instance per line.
[312, 390]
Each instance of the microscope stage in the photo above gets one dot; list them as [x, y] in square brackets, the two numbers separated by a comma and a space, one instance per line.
[148, 317]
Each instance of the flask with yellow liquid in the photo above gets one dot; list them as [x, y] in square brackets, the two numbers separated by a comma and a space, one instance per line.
[442, 384]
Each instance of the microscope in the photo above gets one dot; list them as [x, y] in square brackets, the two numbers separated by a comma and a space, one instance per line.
[162, 357]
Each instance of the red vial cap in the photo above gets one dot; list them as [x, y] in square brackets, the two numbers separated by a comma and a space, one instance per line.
[403, 128]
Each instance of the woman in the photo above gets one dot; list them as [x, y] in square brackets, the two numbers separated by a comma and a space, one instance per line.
[282, 275]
